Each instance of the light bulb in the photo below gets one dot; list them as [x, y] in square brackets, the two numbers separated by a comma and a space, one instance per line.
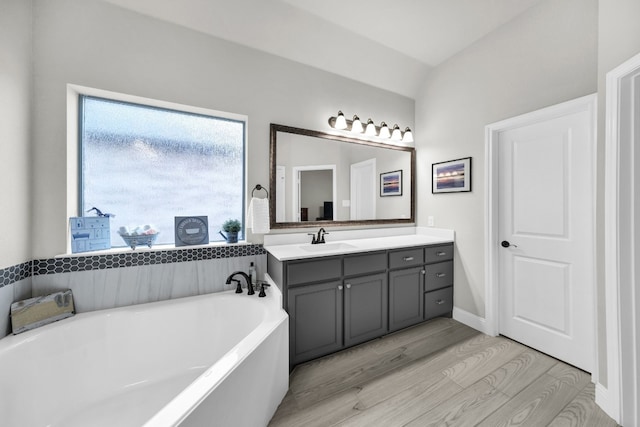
[341, 122]
[356, 125]
[396, 135]
[408, 136]
[384, 131]
[371, 128]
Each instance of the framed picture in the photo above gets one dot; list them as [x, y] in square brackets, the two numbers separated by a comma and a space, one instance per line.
[453, 176]
[391, 183]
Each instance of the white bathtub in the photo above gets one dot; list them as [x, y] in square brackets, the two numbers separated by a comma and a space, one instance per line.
[212, 360]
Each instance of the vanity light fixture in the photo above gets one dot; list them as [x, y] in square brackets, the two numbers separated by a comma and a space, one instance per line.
[408, 136]
[376, 133]
[341, 122]
[371, 129]
[396, 135]
[384, 131]
[356, 125]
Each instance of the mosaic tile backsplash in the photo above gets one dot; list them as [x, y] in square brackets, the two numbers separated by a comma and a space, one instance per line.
[38, 267]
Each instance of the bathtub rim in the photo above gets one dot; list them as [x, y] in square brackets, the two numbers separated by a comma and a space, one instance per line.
[184, 403]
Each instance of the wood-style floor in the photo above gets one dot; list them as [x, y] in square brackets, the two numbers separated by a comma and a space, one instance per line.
[439, 373]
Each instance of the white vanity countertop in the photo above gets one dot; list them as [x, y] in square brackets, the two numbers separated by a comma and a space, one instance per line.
[418, 237]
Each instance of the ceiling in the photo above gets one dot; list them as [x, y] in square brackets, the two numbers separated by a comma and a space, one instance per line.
[390, 45]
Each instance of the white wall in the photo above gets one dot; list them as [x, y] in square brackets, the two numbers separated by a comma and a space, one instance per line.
[90, 43]
[15, 146]
[16, 79]
[543, 57]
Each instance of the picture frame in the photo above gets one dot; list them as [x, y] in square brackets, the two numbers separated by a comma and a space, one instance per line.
[452, 176]
[391, 183]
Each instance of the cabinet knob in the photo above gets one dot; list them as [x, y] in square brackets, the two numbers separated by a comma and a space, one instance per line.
[423, 272]
[440, 274]
[441, 253]
[407, 258]
[440, 302]
[348, 285]
[339, 287]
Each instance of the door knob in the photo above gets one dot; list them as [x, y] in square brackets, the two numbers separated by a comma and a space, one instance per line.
[506, 244]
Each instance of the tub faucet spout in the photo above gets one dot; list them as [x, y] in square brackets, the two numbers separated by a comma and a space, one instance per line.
[246, 278]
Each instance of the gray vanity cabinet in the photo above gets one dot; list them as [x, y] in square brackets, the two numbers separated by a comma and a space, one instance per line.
[315, 320]
[339, 301]
[406, 287]
[365, 308]
[406, 302]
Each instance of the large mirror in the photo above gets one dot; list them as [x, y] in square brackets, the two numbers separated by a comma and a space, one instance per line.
[322, 179]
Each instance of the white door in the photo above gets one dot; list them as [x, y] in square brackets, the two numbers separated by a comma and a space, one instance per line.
[546, 255]
[363, 190]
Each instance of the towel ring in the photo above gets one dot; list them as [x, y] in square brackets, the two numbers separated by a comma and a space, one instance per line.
[259, 187]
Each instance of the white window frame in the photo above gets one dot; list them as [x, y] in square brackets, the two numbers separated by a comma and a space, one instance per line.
[73, 147]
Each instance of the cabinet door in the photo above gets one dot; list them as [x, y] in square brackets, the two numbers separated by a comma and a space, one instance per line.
[315, 320]
[365, 308]
[406, 299]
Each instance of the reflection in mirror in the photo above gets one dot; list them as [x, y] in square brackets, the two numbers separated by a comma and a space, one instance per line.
[325, 179]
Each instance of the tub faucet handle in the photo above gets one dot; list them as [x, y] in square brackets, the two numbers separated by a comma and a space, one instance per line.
[238, 286]
[262, 292]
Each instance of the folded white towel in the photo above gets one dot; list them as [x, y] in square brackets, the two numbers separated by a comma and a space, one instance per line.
[258, 216]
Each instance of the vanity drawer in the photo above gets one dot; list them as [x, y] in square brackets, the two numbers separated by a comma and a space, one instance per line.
[438, 303]
[372, 262]
[316, 270]
[438, 275]
[438, 253]
[406, 258]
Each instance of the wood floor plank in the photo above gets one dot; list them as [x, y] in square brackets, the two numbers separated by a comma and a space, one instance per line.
[442, 341]
[536, 405]
[570, 375]
[512, 377]
[331, 366]
[330, 411]
[425, 369]
[420, 332]
[583, 412]
[370, 369]
[463, 409]
[403, 407]
[287, 407]
[480, 364]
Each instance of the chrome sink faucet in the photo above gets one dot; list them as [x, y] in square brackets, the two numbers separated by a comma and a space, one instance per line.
[320, 238]
[247, 279]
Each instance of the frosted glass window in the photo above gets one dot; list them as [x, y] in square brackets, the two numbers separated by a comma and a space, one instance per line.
[148, 165]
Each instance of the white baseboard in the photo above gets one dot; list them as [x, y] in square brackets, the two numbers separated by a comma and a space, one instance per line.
[471, 320]
[605, 402]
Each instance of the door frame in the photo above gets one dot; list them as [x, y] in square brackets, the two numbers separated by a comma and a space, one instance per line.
[619, 397]
[295, 196]
[491, 208]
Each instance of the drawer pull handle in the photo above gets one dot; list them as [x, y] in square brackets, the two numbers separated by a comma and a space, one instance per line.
[339, 287]
[440, 274]
[407, 258]
[348, 285]
[441, 253]
[440, 302]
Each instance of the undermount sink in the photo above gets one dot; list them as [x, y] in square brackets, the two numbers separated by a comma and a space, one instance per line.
[322, 247]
